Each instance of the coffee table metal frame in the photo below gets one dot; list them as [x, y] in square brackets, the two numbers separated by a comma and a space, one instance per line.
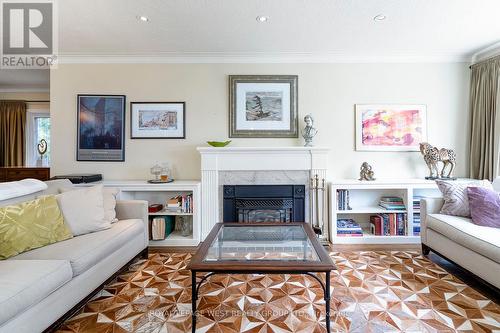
[323, 265]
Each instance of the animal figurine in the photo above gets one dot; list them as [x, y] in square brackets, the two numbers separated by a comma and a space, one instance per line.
[366, 172]
[433, 155]
[309, 131]
[42, 147]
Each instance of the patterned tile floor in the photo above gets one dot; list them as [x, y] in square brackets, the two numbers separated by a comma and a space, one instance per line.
[372, 291]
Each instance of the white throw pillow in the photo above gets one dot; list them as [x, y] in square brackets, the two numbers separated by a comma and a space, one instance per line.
[109, 196]
[456, 200]
[83, 210]
[109, 202]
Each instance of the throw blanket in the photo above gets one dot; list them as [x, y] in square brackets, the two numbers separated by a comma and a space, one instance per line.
[19, 188]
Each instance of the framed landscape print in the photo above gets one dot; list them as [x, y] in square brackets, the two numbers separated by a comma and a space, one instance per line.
[390, 127]
[157, 120]
[101, 128]
[263, 106]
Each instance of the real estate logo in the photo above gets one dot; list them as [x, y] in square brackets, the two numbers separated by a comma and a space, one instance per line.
[28, 34]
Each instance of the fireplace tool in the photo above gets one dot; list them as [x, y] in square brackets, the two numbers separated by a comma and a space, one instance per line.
[318, 190]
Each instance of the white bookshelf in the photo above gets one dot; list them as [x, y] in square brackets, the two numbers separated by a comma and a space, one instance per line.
[160, 193]
[364, 200]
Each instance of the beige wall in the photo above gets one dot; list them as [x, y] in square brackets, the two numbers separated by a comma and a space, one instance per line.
[328, 91]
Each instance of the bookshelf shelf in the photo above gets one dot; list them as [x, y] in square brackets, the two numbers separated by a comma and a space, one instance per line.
[370, 210]
[170, 213]
[364, 199]
[160, 193]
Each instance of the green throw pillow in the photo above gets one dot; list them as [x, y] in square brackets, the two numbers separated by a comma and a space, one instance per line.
[30, 225]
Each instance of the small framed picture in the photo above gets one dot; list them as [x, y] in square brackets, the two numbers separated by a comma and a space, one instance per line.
[263, 106]
[157, 120]
[390, 127]
[101, 128]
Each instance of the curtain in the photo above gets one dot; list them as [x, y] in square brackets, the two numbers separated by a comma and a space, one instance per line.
[12, 133]
[485, 118]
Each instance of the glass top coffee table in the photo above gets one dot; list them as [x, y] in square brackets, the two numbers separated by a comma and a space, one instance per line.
[261, 248]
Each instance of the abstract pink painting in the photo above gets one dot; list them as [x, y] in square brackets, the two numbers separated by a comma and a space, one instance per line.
[390, 127]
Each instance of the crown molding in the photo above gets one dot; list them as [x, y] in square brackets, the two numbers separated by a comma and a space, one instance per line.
[285, 57]
[488, 52]
[24, 90]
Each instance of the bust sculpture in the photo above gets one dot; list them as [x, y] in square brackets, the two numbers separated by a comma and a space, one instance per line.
[309, 131]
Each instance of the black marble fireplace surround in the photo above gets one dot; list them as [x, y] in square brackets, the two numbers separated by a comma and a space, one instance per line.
[264, 203]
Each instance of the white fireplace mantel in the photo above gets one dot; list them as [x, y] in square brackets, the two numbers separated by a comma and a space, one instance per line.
[216, 160]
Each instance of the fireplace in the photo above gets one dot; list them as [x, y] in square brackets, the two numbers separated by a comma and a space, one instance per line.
[264, 203]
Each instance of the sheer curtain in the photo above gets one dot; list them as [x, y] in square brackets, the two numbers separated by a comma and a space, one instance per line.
[12, 133]
[485, 119]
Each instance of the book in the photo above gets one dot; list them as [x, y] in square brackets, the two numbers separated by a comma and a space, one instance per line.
[343, 200]
[348, 227]
[392, 203]
[376, 225]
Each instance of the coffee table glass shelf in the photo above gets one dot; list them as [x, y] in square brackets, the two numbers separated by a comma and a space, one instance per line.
[261, 248]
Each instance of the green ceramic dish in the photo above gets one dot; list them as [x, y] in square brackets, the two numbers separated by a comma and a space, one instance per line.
[219, 143]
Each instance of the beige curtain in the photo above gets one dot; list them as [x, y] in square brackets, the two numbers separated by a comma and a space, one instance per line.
[12, 133]
[485, 116]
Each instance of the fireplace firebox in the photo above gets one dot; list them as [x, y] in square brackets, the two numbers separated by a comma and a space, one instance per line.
[264, 203]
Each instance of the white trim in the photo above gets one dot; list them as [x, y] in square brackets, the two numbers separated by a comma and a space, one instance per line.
[488, 52]
[263, 57]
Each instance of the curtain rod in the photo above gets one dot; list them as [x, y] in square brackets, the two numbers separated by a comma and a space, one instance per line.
[37, 101]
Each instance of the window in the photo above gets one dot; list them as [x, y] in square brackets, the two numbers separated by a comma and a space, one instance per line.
[38, 128]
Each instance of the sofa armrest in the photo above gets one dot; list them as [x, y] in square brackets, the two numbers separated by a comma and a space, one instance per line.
[134, 209]
[428, 206]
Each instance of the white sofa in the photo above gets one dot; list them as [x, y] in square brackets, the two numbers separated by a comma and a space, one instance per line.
[41, 286]
[473, 247]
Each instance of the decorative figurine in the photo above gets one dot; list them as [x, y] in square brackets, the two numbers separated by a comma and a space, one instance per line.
[366, 172]
[309, 131]
[433, 155]
[42, 149]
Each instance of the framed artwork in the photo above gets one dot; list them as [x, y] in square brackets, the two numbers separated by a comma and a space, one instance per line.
[101, 128]
[157, 120]
[390, 127]
[263, 106]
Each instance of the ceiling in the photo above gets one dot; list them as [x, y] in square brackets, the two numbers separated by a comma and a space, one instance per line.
[297, 31]
[442, 30]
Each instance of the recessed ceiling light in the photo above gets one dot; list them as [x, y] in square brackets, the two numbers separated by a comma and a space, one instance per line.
[379, 18]
[142, 18]
[262, 19]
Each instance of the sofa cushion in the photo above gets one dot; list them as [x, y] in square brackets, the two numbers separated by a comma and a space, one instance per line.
[83, 210]
[30, 225]
[86, 250]
[26, 282]
[483, 240]
[456, 200]
[484, 206]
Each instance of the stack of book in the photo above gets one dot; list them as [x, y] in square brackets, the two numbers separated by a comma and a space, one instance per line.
[181, 203]
[392, 203]
[416, 224]
[343, 200]
[348, 228]
[416, 203]
[388, 224]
